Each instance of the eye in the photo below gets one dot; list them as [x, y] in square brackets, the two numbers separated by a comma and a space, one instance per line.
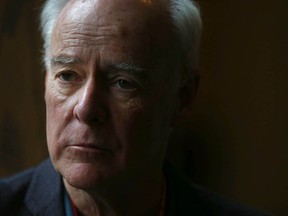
[68, 76]
[125, 84]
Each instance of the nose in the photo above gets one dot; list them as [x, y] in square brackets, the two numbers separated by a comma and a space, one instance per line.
[90, 104]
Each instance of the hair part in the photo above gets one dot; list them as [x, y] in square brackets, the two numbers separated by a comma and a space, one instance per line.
[185, 17]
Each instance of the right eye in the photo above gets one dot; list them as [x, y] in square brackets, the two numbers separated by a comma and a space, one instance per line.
[68, 76]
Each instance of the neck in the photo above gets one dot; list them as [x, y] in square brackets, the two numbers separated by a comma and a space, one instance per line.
[141, 197]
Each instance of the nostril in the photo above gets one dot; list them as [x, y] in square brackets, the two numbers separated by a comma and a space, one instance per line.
[89, 112]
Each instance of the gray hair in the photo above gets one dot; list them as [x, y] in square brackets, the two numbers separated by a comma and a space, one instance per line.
[185, 17]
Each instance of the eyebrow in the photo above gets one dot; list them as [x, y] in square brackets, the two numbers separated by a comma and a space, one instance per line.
[130, 67]
[64, 60]
[124, 66]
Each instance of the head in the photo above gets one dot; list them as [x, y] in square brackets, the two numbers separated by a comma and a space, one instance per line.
[119, 75]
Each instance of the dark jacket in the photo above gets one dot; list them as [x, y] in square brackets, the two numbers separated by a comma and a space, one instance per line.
[39, 191]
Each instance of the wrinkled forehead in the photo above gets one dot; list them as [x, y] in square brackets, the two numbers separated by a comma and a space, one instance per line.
[149, 18]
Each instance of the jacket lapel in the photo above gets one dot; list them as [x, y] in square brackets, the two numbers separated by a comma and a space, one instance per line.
[45, 193]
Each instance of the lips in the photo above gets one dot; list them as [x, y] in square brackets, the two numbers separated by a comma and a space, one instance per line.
[87, 153]
[90, 147]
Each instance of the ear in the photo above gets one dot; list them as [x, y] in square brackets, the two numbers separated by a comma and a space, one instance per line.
[186, 97]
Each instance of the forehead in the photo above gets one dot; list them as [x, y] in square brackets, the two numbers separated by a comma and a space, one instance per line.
[102, 32]
[134, 15]
[143, 20]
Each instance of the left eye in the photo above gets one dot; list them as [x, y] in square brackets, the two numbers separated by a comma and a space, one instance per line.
[67, 77]
[125, 84]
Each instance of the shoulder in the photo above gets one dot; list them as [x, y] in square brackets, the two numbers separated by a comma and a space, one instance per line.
[215, 204]
[13, 190]
[186, 198]
[29, 191]
[14, 187]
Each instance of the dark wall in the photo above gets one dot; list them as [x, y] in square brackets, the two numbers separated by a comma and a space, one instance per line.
[22, 114]
[236, 141]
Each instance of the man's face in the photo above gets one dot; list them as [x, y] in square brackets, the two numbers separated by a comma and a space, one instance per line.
[110, 97]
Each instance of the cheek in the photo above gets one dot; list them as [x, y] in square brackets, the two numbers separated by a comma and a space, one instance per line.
[58, 114]
[143, 123]
[52, 120]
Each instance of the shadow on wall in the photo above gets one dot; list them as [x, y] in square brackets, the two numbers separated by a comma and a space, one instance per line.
[11, 11]
[22, 113]
[11, 148]
[199, 149]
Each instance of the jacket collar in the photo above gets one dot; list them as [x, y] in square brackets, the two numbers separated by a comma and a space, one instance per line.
[182, 196]
[45, 193]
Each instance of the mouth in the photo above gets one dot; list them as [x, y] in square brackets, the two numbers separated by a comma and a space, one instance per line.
[88, 153]
[89, 147]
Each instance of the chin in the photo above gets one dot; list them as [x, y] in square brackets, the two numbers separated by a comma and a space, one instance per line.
[87, 176]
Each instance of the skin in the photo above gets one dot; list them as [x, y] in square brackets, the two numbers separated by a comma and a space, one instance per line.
[111, 99]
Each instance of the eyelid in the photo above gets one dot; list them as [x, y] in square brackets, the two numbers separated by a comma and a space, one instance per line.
[66, 72]
[127, 77]
[132, 85]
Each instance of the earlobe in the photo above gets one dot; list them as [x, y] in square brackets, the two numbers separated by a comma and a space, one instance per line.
[186, 98]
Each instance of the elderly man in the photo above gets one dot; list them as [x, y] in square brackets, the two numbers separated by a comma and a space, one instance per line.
[120, 75]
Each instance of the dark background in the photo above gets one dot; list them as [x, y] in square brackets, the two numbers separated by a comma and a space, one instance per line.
[236, 142]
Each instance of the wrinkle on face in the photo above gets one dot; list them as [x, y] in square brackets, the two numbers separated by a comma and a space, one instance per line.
[87, 38]
[132, 41]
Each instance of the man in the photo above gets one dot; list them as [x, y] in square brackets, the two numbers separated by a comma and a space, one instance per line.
[119, 76]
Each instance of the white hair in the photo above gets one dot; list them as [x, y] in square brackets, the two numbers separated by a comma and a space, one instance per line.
[49, 14]
[185, 17]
